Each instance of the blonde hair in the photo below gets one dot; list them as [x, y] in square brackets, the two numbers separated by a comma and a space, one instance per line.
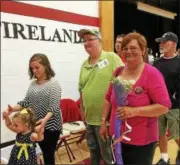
[27, 116]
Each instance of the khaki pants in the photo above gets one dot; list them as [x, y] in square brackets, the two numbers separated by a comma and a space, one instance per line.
[170, 121]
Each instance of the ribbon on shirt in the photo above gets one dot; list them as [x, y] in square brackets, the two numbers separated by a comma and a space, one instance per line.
[24, 147]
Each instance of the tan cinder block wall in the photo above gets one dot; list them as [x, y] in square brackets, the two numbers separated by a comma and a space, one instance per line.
[106, 16]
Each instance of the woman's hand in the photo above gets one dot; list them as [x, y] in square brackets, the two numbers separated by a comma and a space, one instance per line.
[103, 132]
[40, 125]
[8, 111]
[38, 136]
[126, 112]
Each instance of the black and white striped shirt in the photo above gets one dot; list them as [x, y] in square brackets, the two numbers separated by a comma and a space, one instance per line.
[44, 98]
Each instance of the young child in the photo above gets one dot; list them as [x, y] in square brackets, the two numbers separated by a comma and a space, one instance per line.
[23, 123]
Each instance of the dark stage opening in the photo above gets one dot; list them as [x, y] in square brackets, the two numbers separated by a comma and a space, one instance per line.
[128, 18]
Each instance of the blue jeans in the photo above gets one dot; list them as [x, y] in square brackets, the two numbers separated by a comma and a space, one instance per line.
[97, 146]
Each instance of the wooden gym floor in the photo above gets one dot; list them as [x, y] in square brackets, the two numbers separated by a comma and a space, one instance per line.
[81, 152]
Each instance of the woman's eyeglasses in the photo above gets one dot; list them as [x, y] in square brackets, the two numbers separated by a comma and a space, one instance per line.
[131, 49]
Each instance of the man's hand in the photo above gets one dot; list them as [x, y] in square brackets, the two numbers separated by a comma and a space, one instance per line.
[103, 132]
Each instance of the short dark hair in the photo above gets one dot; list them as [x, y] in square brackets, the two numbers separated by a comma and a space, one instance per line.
[45, 62]
[120, 36]
[149, 51]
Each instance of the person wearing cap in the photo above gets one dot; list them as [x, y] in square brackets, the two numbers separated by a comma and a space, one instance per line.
[118, 43]
[95, 75]
[169, 66]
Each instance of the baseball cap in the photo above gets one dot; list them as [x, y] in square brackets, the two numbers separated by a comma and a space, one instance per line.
[95, 32]
[169, 36]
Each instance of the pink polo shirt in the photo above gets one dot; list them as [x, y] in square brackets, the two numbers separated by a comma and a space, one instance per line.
[144, 129]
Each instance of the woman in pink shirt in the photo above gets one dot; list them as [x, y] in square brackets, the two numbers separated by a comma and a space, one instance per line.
[147, 99]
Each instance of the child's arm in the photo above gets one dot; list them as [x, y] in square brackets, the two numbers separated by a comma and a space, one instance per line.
[12, 109]
[8, 122]
[38, 136]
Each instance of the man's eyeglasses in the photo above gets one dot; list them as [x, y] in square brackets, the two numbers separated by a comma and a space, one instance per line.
[89, 40]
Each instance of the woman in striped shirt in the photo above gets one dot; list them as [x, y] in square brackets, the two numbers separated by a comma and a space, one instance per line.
[43, 96]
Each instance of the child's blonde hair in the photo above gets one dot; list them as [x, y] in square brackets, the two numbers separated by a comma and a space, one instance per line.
[27, 116]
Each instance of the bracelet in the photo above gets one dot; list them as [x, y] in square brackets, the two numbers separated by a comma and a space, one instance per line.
[103, 123]
[103, 119]
[106, 124]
